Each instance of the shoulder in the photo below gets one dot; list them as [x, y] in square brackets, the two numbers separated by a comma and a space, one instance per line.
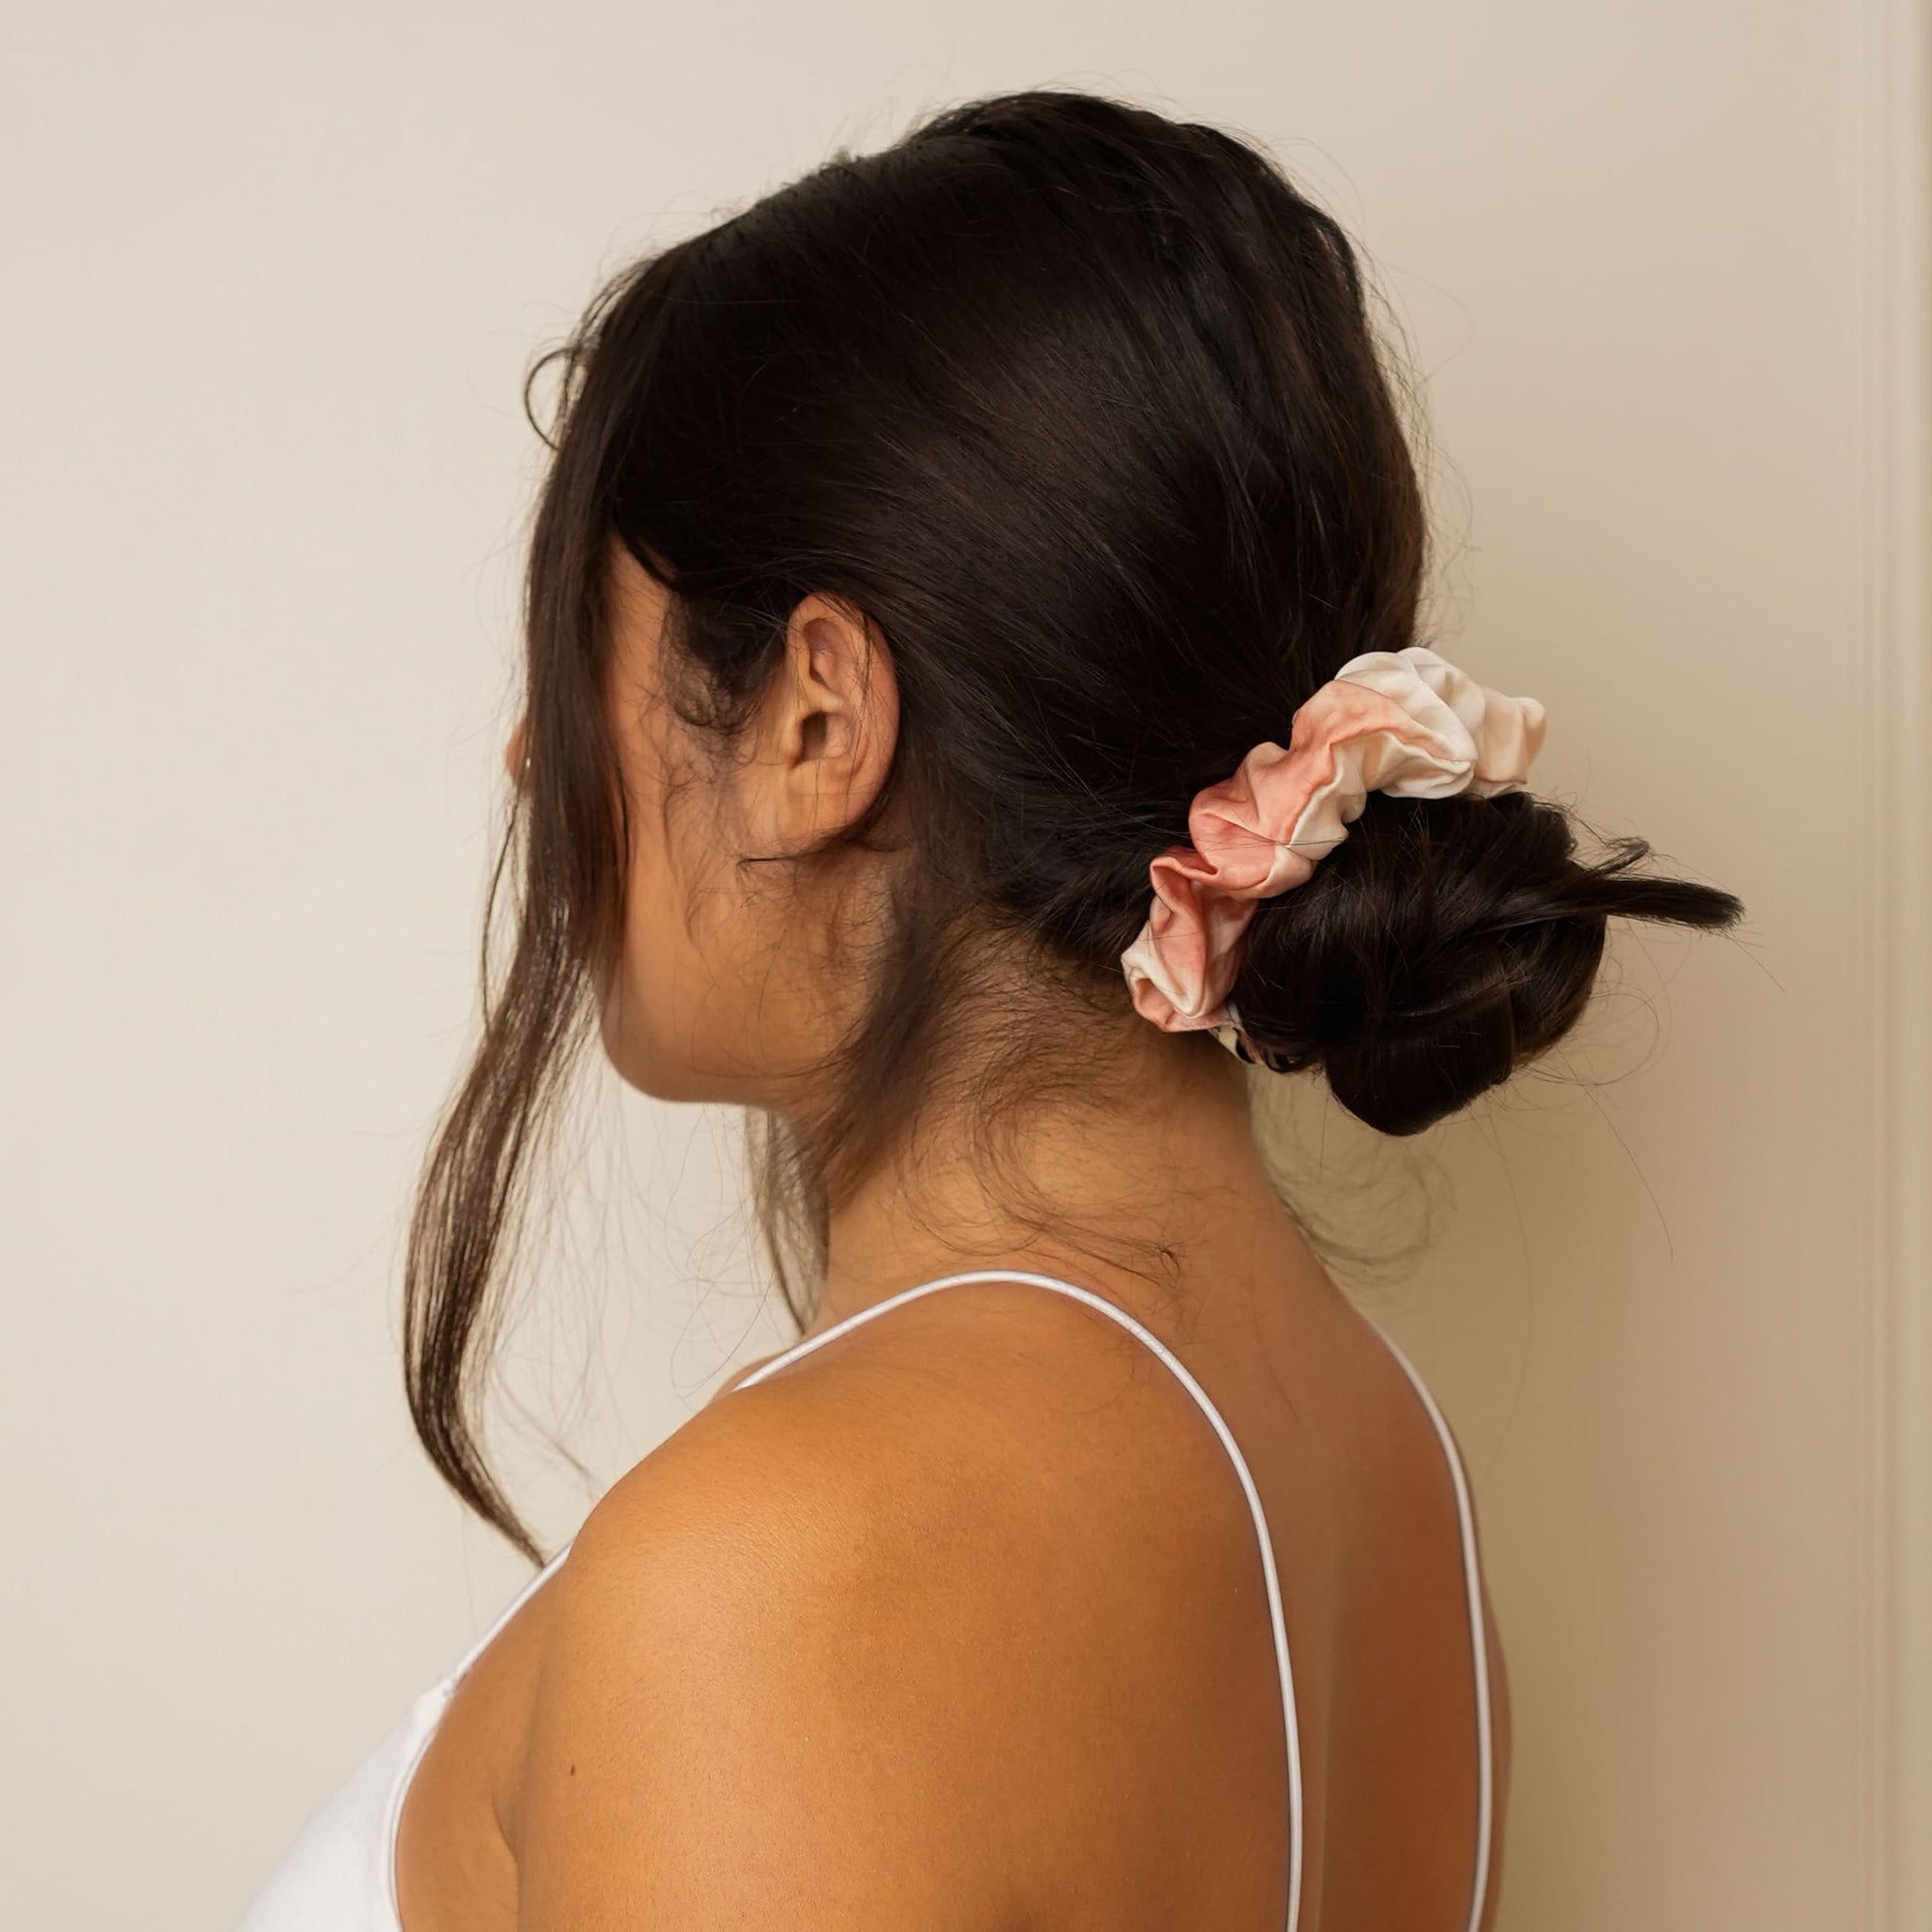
[906, 1432]
[771, 1636]
[805, 1483]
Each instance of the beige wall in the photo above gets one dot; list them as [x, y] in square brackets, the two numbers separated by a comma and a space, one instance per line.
[276, 272]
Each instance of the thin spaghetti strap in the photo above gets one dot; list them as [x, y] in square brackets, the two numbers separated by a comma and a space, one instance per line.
[1291, 1726]
[504, 1615]
[1466, 1519]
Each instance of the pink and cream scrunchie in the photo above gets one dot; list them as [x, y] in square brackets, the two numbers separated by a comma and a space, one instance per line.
[1405, 722]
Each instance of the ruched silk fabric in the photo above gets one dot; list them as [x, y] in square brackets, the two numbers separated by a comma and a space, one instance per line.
[1405, 721]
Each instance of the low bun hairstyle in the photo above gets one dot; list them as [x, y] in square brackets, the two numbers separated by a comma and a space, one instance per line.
[1081, 406]
[1444, 944]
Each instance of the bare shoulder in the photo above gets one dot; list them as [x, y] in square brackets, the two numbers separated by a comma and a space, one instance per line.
[769, 1638]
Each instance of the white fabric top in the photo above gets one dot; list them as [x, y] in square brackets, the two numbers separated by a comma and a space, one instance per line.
[339, 1875]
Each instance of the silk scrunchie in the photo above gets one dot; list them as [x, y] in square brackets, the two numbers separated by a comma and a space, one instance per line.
[1405, 722]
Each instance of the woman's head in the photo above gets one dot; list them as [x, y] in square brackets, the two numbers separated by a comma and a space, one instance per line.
[916, 544]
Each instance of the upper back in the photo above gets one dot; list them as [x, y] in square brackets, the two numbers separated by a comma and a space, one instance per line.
[991, 1546]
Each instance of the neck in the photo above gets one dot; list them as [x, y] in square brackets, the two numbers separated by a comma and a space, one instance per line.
[1142, 1187]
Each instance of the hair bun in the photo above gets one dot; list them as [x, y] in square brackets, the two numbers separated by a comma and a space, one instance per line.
[1443, 945]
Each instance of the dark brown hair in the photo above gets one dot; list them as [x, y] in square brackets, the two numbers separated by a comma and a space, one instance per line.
[1083, 407]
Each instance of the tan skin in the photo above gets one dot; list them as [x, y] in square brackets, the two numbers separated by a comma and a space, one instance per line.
[959, 1621]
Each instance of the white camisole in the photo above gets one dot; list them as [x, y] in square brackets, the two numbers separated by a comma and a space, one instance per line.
[339, 1875]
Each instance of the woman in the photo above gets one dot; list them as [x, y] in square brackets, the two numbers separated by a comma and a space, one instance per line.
[972, 681]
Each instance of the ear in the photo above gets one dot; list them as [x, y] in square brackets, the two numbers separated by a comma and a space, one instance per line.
[829, 725]
[517, 754]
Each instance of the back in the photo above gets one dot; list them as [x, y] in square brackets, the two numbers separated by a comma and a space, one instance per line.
[962, 1609]
[1401, 1509]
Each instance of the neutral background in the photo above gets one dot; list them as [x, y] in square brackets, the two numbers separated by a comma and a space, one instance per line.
[273, 275]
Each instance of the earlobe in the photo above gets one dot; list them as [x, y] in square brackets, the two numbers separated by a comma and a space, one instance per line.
[516, 752]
